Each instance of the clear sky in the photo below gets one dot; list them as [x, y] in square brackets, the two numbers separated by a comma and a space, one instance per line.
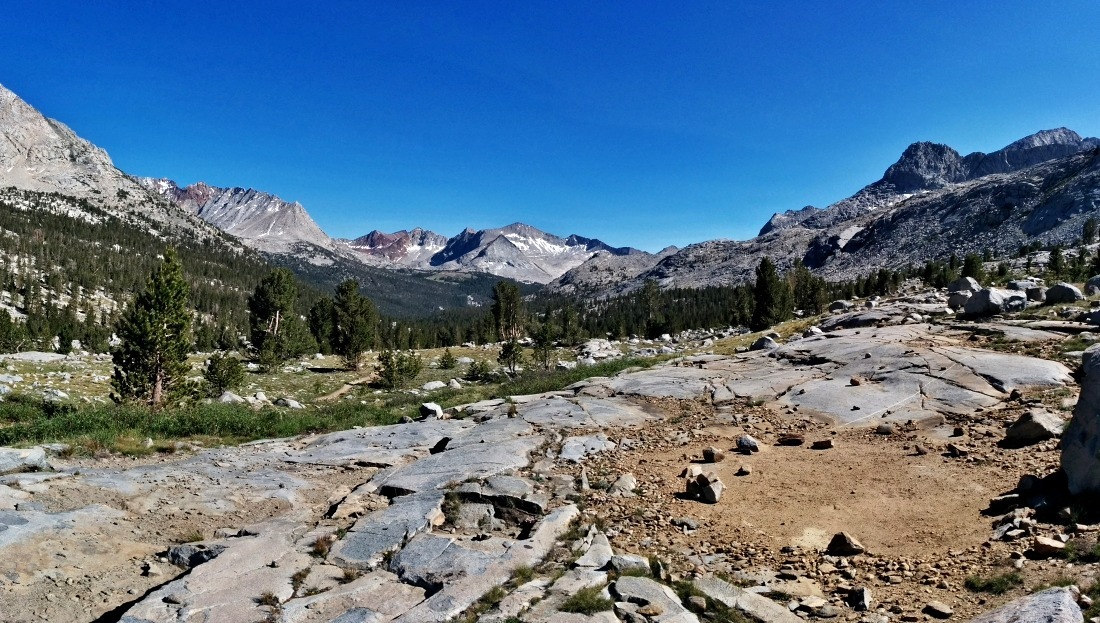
[639, 123]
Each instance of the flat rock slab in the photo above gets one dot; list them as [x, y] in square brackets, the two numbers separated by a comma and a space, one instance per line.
[21, 526]
[35, 357]
[756, 606]
[576, 448]
[1054, 605]
[460, 594]
[582, 412]
[664, 382]
[377, 596]
[386, 530]
[230, 583]
[1007, 372]
[645, 591]
[432, 561]
[382, 446]
[440, 470]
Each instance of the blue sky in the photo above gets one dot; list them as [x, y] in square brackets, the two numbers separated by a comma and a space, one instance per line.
[640, 123]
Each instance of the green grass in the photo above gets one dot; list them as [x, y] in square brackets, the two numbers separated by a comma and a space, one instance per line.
[26, 420]
[587, 601]
[538, 381]
[1093, 592]
[98, 427]
[995, 584]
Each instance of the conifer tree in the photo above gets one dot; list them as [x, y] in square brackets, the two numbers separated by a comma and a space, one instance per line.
[507, 310]
[268, 307]
[155, 333]
[354, 322]
[773, 301]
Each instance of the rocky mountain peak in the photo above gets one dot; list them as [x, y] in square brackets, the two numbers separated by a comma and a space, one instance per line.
[262, 220]
[45, 155]
[924, 166]
[1043, 138]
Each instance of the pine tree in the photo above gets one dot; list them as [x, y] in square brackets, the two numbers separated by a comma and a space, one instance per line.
[155, 333]
[353, 325]
[973, 267]
[320, 324]
[507, 310]
[511, 355]
[544, 336]
[773, 301]
[268, 306]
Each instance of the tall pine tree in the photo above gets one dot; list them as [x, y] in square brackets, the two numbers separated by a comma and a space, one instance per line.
[155, 333]
[773, 301]
[354, 322]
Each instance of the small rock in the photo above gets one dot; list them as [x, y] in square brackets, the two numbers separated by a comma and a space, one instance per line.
[844, 544]
[696, 603]
[860, 598]
[791, 439]
[885, 428]
[747, 445]
[822, 444]
[744, 470]
[431, 410]
[685, 522]
[713, 455]
[938, 609]
[1045, 547]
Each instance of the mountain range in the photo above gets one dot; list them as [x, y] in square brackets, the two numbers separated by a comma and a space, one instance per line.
[929, 204]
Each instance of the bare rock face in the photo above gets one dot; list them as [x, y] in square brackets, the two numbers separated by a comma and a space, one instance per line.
[1081, 441]
[262, 220]
[45, 155]
[1054, 605]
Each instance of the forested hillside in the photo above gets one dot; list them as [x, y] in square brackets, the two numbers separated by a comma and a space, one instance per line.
[67, 266]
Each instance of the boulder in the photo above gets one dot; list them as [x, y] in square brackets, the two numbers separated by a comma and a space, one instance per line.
[23, 460]
[713, 455]
[1037, 294]
[1081, 440]
[630, 563]
[747, 445]
[289, 403]
[431, 410]
[1062, 293]
[1054, 605]
[812, 331]
[844, 544]
[839, 306]
[707, 487]
[764, 343]
[230, 398]
[958, 300]
[431, 386]
[1022, 285]
[623, 486]
[986, 302]
[1034, 426]
[1092, 286]
[964, 284]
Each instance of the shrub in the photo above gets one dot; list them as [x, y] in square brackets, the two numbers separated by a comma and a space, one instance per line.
[224, 372]
[448, 361]
[587, 601]
[479, 370]
[995, 584]
[395, 369]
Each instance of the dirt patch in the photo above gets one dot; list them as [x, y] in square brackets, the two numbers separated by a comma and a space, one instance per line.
[919, 513]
